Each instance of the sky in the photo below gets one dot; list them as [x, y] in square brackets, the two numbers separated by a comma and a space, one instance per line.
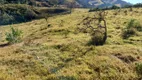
[134, 1]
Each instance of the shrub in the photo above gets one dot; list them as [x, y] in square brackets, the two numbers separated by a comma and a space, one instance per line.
[97, 38]
[128, 32]
[126, 12]
[139, 69]
[131, 9]
[14, 36]
[133, 23]
[131, 29]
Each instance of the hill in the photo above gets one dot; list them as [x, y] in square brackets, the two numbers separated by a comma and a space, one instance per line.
[56, 50]
[102, 3]
[17, 13]
[76, 3]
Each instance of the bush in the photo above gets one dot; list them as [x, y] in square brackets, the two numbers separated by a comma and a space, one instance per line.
[97, 38]
[139, 69]
[131, 29]
[133, 23]
[128, 32]
[14, 36]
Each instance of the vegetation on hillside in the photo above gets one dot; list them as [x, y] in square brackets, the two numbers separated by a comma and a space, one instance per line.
[16, 13]
[132, 28]
[50, 44]
[97, 30]
[14, 36]
[55, 49]
[138, 5]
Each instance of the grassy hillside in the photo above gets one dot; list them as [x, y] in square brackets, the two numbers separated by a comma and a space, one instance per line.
[56, 50]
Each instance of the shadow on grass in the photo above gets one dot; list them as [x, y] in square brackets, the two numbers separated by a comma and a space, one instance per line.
[4, 45]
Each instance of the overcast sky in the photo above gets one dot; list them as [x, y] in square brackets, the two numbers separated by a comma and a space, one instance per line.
[134, 1]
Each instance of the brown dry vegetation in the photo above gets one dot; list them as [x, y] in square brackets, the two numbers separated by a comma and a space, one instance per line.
[58, 51]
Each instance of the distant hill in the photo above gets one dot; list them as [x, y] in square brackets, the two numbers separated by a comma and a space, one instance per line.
[102, 3]
[76, 3]
[83, 3]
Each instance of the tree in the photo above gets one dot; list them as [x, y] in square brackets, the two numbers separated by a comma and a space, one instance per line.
[71, 5]
[54, 2]
[115, 7]
[96, 26]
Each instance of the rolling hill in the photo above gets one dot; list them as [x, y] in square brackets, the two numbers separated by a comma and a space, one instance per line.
[78, 3]
[86, 3]
[102, 3]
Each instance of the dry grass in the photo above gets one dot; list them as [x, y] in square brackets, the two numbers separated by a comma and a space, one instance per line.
[57, 51]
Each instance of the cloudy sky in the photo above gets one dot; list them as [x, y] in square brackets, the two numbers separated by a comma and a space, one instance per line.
[134, 1]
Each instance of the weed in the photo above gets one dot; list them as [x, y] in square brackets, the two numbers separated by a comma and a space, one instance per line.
[14, 36]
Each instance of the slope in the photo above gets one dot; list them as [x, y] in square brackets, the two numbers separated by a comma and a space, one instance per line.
[55, 50]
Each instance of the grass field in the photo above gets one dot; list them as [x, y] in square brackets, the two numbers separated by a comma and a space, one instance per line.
[56, 50]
